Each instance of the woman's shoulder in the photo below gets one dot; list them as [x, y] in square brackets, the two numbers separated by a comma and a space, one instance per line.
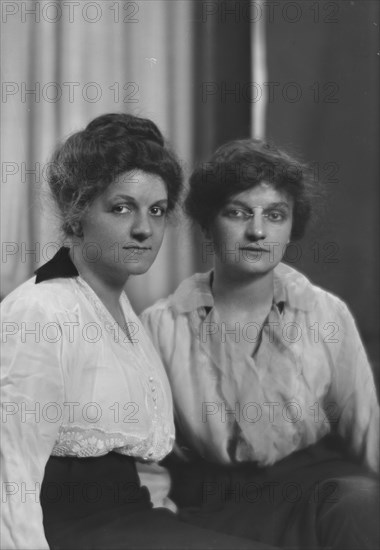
[191, 293]
[169, 318]
[300, 293]
[47, 296]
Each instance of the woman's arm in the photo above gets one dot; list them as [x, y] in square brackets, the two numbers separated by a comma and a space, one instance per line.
[31, 394]
[354, 394]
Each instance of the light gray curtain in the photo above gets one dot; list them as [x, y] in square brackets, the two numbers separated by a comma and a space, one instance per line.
[63, 64]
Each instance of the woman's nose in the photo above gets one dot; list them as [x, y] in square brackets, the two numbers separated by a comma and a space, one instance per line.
[256, 227]
[141, 228]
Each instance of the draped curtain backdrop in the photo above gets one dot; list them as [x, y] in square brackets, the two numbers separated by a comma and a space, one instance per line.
[302, 73]
[66, 62]
[63, 64]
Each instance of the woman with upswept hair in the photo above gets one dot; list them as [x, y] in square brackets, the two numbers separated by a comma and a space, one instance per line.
[84, 393]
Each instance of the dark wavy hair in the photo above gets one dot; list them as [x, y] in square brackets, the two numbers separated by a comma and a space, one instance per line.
[241, 165]
[90, 160]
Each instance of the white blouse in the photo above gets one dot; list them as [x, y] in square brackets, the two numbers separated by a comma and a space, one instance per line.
[308, 375]
[72, 385]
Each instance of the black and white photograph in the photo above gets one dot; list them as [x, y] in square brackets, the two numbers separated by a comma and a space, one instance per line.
[190, 275]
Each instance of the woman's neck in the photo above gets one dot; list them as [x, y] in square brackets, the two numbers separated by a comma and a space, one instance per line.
[238, 293]
[106, 288]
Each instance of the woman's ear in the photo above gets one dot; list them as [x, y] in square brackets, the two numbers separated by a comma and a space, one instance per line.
[206, 232]
[77, 229]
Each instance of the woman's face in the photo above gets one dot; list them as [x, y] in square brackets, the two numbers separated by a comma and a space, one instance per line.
[251, 231]
[124, 227]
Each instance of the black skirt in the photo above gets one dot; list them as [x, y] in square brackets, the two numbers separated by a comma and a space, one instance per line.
[98, 503]
[281, 505]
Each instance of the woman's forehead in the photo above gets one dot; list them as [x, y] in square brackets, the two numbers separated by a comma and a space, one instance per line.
[262, 194]
[138, 184]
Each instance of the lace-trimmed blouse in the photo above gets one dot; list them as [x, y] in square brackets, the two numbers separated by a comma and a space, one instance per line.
[309, 374]
[73, 385]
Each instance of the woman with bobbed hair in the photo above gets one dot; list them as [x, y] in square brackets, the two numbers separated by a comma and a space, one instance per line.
[84, 393]
[240, 165]
[274, 398]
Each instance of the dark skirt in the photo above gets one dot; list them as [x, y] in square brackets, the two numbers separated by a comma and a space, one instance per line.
[315, 498]
[98, 503]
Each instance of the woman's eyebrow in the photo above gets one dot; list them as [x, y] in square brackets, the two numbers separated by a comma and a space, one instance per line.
[238, 203]
[123, 197]
[133, 200]
[279, 204]
[161, 202]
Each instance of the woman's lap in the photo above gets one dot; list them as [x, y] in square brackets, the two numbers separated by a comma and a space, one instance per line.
[301, 502]
[351, 519]
[98, 503]
[311, 500]
[155, 529]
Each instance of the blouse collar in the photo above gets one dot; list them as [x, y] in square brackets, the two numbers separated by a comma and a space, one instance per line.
[59, 266]
[291, 288]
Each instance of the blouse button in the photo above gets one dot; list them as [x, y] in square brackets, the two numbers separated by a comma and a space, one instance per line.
[150, 453]
[153, 389]
[151, 378]
[154, 398]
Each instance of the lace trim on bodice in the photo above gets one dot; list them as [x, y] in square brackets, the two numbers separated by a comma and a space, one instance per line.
[81, 442]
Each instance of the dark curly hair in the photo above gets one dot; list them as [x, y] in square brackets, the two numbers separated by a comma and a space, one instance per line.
[240, 165]
[111, 145]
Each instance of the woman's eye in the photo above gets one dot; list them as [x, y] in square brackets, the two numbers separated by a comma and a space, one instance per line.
[157, 211]
[235, 213]
[121, 209]
[275, 216]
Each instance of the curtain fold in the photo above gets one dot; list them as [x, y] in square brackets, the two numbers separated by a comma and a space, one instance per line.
[222, 76]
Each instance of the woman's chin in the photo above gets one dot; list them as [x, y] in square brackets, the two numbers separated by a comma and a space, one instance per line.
[139, 269]
[252, 269]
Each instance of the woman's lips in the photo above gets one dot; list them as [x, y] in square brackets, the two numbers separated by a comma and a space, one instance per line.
[253, 249]
[132, 247]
